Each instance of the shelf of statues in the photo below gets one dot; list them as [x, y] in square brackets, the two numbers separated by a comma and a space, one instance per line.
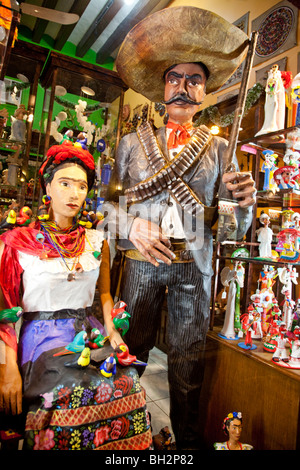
[281, 198]
[274, 324]
[286, 250]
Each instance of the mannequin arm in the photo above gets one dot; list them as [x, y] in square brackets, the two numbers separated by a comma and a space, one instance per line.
[10, 378]
[106, 298]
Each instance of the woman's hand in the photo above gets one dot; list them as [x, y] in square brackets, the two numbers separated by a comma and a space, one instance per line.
[10, 385]
[115, 338]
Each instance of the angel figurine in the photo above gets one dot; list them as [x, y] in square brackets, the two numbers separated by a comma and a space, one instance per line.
[234, 278]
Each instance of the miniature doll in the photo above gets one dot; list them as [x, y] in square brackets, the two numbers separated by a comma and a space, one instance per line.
[268, 167]
[285, 178]
[232, 427]
[264, 236]
[275, 102]
[18, 126]
[281, 352]
[235, 280]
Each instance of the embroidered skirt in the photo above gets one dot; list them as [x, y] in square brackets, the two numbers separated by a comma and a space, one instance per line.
[69, 408]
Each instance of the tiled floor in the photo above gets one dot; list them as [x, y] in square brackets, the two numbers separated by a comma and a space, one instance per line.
[155, 382]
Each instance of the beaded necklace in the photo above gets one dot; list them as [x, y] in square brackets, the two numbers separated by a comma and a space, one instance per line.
[51, 232]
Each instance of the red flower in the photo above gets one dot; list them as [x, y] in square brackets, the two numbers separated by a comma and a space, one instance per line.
[124, 383]
[286, 78]
[64, 397]
[104, 392]
[101, 435]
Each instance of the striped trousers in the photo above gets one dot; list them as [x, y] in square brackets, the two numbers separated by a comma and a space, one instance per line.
[143, 289]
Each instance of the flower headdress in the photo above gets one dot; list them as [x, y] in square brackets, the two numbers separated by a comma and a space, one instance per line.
[64, 153]
[230, 416]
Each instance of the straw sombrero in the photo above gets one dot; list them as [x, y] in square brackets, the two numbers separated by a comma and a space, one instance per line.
[179, 35]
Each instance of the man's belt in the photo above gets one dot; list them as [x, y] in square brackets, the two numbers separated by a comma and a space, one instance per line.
[182, 255]
[168, 174]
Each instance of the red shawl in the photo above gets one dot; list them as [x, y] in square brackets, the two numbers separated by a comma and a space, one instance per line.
[24, 239]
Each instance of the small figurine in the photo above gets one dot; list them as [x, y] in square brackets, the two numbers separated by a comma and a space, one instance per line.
[294, 361]
[232, 427]
[286, 245]
[274, 321]
[249, 325]
[82, 361]
[24, 217]
[10, 315]
[109, 367]
[264, 237]
[288, 307]
[235, 280]
[81, 140]
[125, 358]
[285, 178]
[280, 353]
[75, 346]
[68, 136]
[296, 100]
[275, 102]
[120, 317]
[97, 340]
[18, 126]
[268, 167]
[9, 222]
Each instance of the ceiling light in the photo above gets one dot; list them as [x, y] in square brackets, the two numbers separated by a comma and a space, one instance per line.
[87, 91]
[60, 90]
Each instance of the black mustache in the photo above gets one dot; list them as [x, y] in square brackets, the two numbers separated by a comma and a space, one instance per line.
[184, 98]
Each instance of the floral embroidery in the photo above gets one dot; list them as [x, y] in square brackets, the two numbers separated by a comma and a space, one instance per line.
[64, 396]
[78, 434]
[44, 440]
[138, 422]
[101, 435]
[104, 392]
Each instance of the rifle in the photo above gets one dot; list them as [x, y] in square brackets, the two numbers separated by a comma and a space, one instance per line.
[227, 225]
[240, 105]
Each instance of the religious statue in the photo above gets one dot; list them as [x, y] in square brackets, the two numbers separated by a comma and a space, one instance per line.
[274, 103]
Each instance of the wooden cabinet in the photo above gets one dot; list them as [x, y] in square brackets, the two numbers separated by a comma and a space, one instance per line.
[267, 395]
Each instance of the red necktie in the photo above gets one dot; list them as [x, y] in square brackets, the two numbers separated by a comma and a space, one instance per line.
[180, 134]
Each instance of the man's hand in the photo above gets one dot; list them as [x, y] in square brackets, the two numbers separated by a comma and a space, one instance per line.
[148, 238]
[242, 186]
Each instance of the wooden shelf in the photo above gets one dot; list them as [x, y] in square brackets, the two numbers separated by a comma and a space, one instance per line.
[248, 381]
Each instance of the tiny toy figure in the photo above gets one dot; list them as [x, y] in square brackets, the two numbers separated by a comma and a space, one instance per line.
[285, 178]
[286, 245]
[281, 353]
[249, 325]
[296, 100]
[288, 307]
[18, 126]
[273, 320]
[235, 280]
[232, 427]
[268, 167]
[294, 361]
[264, 236]
[275, 102]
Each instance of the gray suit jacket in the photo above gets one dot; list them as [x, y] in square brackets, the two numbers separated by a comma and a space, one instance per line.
[204, 178]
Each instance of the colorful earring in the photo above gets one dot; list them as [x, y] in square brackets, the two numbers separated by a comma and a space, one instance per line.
[43, 212]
